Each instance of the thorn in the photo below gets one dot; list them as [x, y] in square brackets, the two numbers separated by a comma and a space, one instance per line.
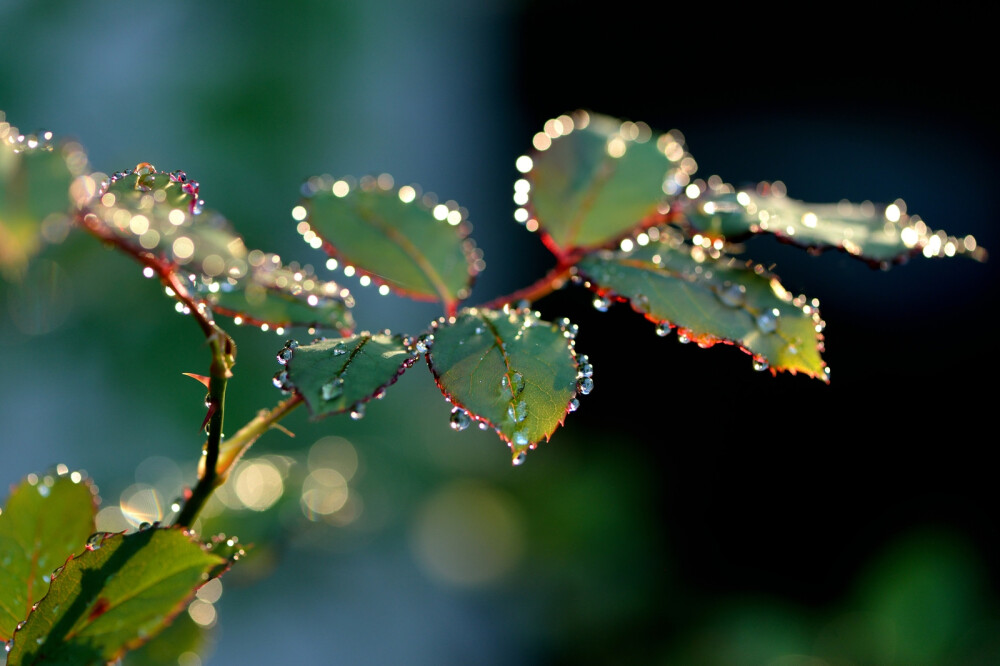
[278, 426]
[202, 379]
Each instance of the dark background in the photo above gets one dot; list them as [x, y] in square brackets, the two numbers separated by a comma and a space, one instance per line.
[692, 511]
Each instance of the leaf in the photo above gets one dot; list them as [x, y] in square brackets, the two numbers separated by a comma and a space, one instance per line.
[339, 374]
[121, 591]
[713, 300]
[182, 635]
[509, 370]
[397, 238]
[46, 520]
[35, 179]
[876, 234]
[595, 179]
[161, 217]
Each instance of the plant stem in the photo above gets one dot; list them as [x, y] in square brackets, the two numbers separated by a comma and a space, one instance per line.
[544, 286]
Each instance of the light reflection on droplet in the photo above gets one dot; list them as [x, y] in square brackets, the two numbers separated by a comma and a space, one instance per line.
[141, 503]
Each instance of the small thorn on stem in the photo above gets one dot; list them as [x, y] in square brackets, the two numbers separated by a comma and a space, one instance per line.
[202, 379]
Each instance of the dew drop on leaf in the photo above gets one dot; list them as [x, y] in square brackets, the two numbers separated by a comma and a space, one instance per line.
[339, 349]
[585, 386]
[358, 411]
[663, 330]
[733, 295]
[518, 382]
[333, 389]
[760, 363]
[767, 321]
[519, 459]
[683, 338]
[601, 304]
[586, 370]
[459, 419]
[573, 405]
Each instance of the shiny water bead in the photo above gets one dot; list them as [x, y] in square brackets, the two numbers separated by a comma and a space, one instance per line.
[585, 385]
[760, 363]
[333, 389]
[517, 382]
[339, 349]
[586, 370]
[767, 321]
[358, 411]
[280, 381]
[459, 419]
[601, 304]
[663, 329]
[573, 405]
[519, 459]
[733, 295]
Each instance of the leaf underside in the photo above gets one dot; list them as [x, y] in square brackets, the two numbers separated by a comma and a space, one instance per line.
[160, 215]
[509, 370]
[44, 523]
[601, 178]
[35, 179]
[420, 251]
[711, 300]
[880, 235]
[114, 597]
[337, 374]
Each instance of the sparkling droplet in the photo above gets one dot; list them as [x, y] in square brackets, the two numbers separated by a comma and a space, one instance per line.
[663, 330]
[8, 645]
[767, 321]
[518, 412]
[733, 295]
[518, 382]
[483, 425]
[519, 459]
[586, 370]
[280, 381]
[424, 343]
[358, 411]
[683, 338]
[760, 363]
[505, 389]
[284, 356]
[573, 405]
[459, 419]
[520, 438]
[601, 304]
[94, 540]
[585, 386]
[333, 389]
[339, 349]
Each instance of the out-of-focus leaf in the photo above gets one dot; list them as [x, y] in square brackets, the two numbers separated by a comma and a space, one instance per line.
[414, 245]
[508, 370]
[880, 235]
[121, 591]
[35, 179]
[340, 374]
[710, 297]
[160, 214]
[46, 520]
[594, 179]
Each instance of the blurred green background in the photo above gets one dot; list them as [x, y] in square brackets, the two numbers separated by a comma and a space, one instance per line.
[692, 511]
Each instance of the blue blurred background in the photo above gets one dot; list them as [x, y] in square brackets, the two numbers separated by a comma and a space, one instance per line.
[692, 511]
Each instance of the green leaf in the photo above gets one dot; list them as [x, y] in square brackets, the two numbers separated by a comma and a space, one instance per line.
[123, 590]
[46, 521]
[595, 179]
[713, 298]
[183, 635]
[35, 179]
[340, 374]
[880, 235]
[284, 296]
[413, 245]
[509, 370]
[161, 217]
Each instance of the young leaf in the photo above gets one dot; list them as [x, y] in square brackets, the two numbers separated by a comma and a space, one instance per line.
[509, 370]
[714, 299]
[395, 237]
[121, 591]
[35, 179]
[46, 520]
[161, 217]
[183, 635]
[876, 234]
[340, 374]
[595, 179]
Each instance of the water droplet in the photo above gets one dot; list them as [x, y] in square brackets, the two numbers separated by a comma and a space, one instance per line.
[39, 641]
[663, 329]
[733, 295]
[339, 349]
[505, 390]
[333, 389]
[519, 459]
[280, 381]
[8, 645]
[760, 363]
[424, 343]
[284, 356]
[573, 405]
[518, 412]
[520, 438]
[683, 338]
[585, 386]
[767, 321]
[459, 419]
[518, 382]
[586, 370]
[483, 425]
[601, 304]
[358, 411]
[144, 526]
[46, 578]
[20, 625]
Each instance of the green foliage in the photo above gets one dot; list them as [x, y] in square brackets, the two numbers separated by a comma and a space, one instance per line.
[617, 206]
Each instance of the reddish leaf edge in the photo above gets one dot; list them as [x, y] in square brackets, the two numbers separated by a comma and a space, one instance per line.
[385, 183]
[97, 540]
